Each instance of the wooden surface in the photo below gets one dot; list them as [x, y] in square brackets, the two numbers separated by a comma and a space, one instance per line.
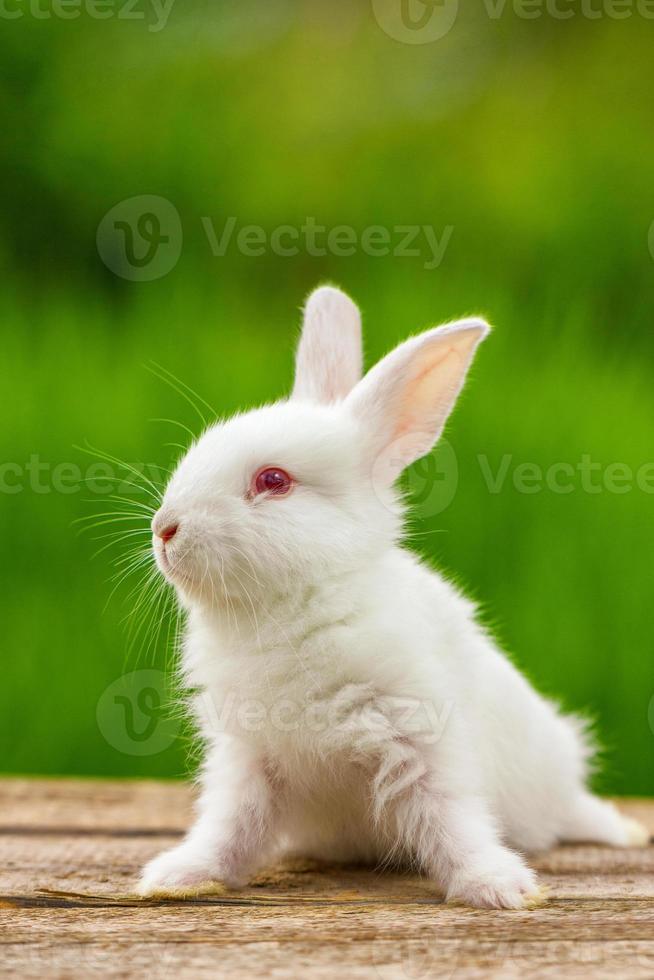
[70, 849]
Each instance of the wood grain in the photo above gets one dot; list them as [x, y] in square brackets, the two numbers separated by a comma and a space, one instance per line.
[70, 853]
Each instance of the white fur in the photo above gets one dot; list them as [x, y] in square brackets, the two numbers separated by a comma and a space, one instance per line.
[351, 706]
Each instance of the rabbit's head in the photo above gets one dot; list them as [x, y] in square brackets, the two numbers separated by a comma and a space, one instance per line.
[286, 495]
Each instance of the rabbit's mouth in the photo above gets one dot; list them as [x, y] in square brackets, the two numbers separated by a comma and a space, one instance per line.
[167, 563]
[163, 560]
[177, 565]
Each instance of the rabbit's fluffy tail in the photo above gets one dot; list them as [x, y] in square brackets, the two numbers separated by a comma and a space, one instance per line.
[592, 819]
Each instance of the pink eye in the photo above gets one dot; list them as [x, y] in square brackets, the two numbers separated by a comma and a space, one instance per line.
[273, 480]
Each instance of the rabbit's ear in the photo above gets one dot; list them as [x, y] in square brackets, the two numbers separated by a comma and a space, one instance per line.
[404, 401]
[328, 362]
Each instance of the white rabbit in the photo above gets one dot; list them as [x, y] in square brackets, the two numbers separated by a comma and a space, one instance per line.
[351, 706]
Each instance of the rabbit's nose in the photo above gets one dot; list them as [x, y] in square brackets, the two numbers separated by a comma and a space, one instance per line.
[168, 532]
[164, 527]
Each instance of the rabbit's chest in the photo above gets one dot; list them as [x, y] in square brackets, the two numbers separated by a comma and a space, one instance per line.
[278, 703]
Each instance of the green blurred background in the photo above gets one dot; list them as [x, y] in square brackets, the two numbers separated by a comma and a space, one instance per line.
[531, 139]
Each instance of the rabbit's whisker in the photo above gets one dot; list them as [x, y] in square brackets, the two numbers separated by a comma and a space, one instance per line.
[154, 491]
[183, 389]
[186, 429]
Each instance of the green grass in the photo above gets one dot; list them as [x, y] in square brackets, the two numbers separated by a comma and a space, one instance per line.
[533, 140]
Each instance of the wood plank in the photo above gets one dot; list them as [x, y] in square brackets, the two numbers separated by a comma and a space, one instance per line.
[86, 839]
[93, 803]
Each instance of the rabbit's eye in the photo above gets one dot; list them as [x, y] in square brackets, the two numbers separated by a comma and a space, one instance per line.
[273, 480]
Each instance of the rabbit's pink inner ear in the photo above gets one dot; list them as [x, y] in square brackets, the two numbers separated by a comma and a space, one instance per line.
[328, 362]
[404, 402]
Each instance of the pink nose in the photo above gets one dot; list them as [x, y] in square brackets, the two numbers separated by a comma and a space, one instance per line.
[168, 532]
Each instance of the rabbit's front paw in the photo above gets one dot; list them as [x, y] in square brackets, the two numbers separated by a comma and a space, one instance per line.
[180, 871]
[499, 881]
